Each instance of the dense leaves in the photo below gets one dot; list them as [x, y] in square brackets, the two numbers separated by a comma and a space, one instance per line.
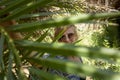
[15, 55]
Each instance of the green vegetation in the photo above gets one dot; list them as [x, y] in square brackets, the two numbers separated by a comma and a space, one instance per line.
[99, 47]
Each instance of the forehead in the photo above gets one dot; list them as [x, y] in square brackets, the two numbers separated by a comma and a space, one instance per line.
[69, 30]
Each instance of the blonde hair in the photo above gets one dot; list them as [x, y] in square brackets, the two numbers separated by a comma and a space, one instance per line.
[60, 29]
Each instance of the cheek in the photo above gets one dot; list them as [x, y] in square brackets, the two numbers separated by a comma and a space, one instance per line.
[60, 41]
[73, 39]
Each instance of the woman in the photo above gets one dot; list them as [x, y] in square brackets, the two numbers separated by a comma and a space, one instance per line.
[69, 36]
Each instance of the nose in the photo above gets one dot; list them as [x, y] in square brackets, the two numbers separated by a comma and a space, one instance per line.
[66, 39]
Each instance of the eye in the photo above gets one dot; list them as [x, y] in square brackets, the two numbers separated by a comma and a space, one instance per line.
[62, 38]
[70, 35]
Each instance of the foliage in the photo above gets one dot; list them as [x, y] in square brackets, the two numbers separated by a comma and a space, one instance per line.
[15, 56]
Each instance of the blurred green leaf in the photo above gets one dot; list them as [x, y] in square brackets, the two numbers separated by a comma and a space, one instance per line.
[25, 9]
[67, 49]
[45, 75]
[58, 36]
[58, 22]
[2, 38]
[42, 36]
[15, 4]
[5, 2]
[11, 65]
[15, 54]
[38, 15]
[75, 68]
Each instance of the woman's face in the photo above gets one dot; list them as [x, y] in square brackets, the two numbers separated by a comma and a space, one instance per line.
[69, 36]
